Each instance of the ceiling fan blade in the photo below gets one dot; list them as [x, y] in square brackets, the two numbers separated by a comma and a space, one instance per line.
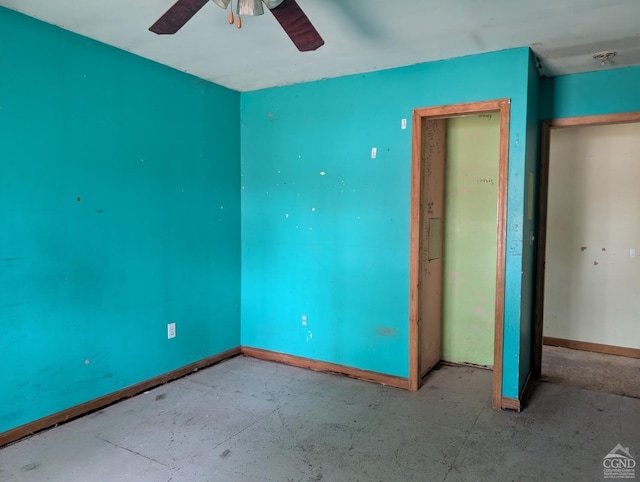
[297, 26]
[177, 16]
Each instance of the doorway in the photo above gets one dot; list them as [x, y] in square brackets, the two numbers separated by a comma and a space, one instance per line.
[428, 262]
[586, 303]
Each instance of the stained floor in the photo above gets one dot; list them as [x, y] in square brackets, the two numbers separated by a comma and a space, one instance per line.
[593, 371]
[250, 420]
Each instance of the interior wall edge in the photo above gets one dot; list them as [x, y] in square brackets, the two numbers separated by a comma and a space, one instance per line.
[529, 224]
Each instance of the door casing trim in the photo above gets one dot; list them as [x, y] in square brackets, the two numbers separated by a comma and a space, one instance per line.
[442, 112]
[543, 193]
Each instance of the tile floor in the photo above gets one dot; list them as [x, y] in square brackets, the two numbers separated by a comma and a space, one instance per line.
[250, 420]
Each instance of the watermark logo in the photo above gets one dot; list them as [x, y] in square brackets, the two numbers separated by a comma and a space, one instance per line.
[619, 464]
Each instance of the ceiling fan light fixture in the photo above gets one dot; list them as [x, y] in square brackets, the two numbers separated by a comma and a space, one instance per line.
[222, 3]
[604, 57]
[271, 4]
[249, 7]
[289, 15]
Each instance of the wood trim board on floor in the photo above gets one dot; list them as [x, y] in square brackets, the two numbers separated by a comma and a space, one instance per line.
[517, 404]
[594, 347]
[111, 398]
[321, 366]
[512, 404]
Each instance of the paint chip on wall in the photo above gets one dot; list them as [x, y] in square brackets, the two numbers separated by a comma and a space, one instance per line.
[386, 331]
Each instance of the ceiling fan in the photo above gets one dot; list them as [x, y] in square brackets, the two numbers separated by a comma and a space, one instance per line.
[287, 12]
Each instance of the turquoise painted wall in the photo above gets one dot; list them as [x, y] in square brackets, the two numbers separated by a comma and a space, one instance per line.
[325, 228]
[119, 212]
[529, 221]
[593, 93]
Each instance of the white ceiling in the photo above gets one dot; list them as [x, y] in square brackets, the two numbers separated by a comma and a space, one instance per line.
[360, 35]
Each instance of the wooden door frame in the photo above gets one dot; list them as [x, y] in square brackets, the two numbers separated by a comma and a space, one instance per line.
[543, 194]
[503, 106]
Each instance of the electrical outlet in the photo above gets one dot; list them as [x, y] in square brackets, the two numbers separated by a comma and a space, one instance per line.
[171, 330]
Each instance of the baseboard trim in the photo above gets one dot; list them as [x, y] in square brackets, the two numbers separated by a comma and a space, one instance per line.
[512, 404]
[69, 414]
[321, 366]
[517, 404]
[111, 398]
[594, 347]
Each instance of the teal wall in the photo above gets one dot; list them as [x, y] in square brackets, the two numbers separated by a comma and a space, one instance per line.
[119, 213]
[334, 248]
[593, 93]
[529, 220]
[121, 187]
